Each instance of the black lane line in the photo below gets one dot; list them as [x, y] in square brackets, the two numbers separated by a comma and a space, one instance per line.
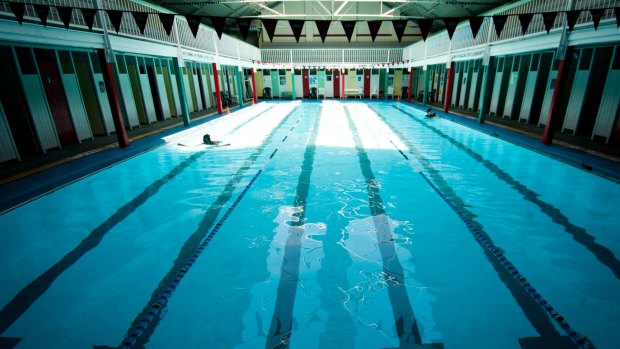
[15, 308]
[148, 319]
[282, 320]
[533, 305]
[404, 318]
[579, 234]
[35, 289]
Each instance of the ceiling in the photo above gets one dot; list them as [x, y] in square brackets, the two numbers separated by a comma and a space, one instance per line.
[360, 10]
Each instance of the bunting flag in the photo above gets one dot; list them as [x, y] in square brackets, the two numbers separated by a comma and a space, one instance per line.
[297, 25]
[167, 20]
[499, 21]
[65, 14]
[42, 11]
[140, 18]
[571, 18]
[348, 27]
[194, 23]
[525, 19]
[597, 13]
[323, 27]
[451, 24]
[18, 9]
[475, 23]
[219, 23]
[270, 27]
[373, 27]
[425, 26]
[617, 12]
[548, 19]
[399, 27]
[244, 26]
[116, 17]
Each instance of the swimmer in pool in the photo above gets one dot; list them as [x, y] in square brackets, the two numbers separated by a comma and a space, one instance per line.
[430, 114]
[206, 139]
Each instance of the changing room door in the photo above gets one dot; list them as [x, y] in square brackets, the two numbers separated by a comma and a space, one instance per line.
[306, 83]
[46, 60]
[366, 83]
[336, 83]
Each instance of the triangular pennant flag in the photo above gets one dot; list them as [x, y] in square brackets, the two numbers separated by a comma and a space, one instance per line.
[167, 21]
[270, 27]
[475, 23]
[297, 25]
[116, 17]
[219, 23]
[617, 12]
[244, 26]
[323, 27]
[451, 24]
[525, 19]
[373, 27]
[597, 13]
[42, 11]
[425, 26]
[399, 27]
[571, 18]
[140, 18]
[18, 10]
[194, 23]
[89, 17]
[348, 27]
[65, 14]
[499, 21]
[548, 19]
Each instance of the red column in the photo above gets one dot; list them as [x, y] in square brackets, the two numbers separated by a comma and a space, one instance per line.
[254, 85]
[342, 86]
[410, 84]
[448, 97]
[117, 116]
[438, 74]
[553, 109]
[218, 95]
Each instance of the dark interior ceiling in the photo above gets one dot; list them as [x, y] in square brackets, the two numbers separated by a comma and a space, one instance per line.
[361, 10]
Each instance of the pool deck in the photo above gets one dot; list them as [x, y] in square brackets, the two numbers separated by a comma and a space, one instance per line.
[38, 178]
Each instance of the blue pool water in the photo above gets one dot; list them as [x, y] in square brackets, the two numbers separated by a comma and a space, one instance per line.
[322, 225]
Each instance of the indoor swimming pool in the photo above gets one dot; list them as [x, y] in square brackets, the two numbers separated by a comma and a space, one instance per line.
[323, 225]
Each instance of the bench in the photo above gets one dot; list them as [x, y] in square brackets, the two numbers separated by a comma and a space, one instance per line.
[354, 92]
[286, 95]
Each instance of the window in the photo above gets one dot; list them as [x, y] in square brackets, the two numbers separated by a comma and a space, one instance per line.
[585, 59]
[26, 63]
[535, 61]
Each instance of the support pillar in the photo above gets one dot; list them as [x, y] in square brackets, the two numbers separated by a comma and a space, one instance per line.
[239, 86]
[218, 94]
[487, 91]
[117, 116]
[449, 84]
[182, 93]
[411, 70]
[293, 93]
[253, 86]
[342, 82]
[425, 97]
[386, 84]
[560, 85]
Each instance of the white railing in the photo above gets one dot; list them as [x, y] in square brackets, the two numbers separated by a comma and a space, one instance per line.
[206, 40]
[331, 56]
[439, 44]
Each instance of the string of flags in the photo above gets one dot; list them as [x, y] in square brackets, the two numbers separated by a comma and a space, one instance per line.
[342, 67]
[219, 23]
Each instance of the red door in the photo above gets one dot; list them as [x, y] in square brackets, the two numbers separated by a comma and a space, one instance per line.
[46, 60]
[305, 83]
[336, 83]
[366, 83]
